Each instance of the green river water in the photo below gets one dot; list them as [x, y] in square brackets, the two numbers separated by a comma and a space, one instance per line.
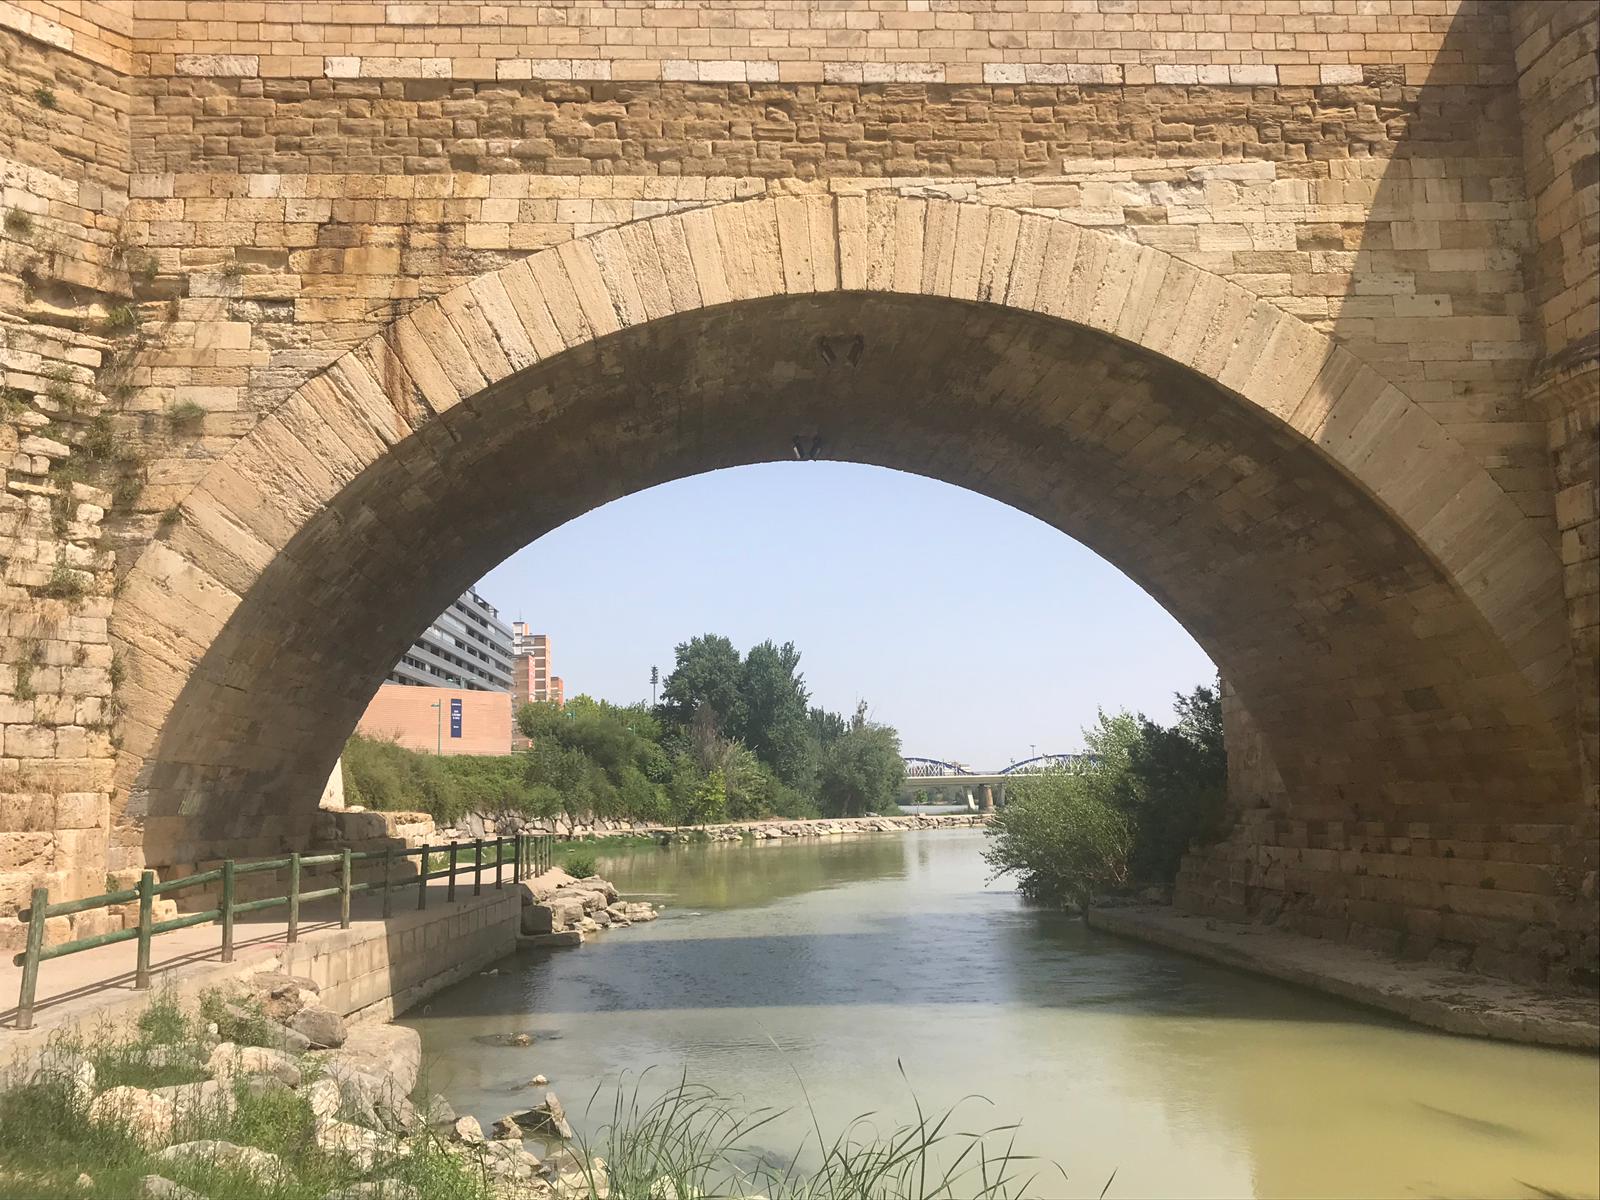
[837, 964]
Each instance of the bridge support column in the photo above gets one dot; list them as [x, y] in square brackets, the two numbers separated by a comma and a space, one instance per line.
[988, 798]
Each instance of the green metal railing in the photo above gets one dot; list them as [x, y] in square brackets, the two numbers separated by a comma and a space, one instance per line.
[528, 855]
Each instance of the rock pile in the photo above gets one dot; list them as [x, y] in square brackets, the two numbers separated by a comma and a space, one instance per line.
[559, 910]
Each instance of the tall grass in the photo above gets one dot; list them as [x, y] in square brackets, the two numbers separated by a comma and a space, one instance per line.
[689, 1141]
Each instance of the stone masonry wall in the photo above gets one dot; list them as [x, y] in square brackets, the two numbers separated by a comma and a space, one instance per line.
[1557, 46]
[64, 290]
[790, 41]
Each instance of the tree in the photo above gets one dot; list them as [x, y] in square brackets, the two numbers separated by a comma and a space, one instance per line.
[861, 770]
[1180, 786]
[774, 700]
[1060, 838]
[826, 726]
[709, 672]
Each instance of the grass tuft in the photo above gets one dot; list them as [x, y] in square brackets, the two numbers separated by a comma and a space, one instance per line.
[186, 415]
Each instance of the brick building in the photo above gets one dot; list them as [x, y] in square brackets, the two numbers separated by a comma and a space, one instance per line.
[440, 720]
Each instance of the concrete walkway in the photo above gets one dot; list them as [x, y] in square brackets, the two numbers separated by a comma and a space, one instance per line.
[95, 984]
[1474, 1005]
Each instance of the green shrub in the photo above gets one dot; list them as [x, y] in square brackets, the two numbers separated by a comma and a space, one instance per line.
[580, 865]
[1062, 841]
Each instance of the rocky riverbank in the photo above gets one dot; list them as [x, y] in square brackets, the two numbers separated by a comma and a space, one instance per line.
[476, 825]
[267, 1092]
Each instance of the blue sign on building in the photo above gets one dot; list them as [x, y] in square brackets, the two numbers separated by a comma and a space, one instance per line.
[455, 718]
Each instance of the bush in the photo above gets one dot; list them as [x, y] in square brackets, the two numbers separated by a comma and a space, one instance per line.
[580, 865]
[384, 775]
[1061, 840]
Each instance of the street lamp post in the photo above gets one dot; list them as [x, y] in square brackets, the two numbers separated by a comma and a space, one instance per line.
[438, 725]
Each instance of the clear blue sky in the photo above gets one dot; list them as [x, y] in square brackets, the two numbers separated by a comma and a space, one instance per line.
[973, 628]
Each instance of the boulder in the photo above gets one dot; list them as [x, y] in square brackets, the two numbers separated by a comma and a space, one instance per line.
[323, 1027]
[362, 1146]
[508, 1160]
[467, 1129]
[195, 1102]
[438, 1114]
[290, 1041]
[279, 986]
[145, 1116]
[565, 910]
[359, 1091]
[323, 1096]
[56, 1064]
[398, 1114]
[538, 918]
[390, 1052]
[376, 1189]
[507, 1127]
[229, 1060]
[247, 1159]
[266, 1085]
[546, 1120]
[590, 898]
[159, 1187]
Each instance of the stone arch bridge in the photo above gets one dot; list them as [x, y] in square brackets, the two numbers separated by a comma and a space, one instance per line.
[1301, 338]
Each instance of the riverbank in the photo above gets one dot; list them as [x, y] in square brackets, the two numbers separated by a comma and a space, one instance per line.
[252, 1080]
[763, 829]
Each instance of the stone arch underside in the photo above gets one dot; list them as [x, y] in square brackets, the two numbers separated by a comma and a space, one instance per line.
[1374, 598]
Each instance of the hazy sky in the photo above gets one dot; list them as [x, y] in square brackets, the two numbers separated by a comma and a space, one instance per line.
[976, 630]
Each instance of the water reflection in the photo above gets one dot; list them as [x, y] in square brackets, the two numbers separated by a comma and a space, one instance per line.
[836, 963]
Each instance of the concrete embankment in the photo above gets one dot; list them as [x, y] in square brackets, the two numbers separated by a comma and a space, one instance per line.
[1454, 1001]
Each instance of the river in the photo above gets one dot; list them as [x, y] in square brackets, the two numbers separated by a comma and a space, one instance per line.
[837, 964]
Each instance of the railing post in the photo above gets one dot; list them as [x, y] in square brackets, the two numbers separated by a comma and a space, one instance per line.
[499, 862]
[477, 866]
[450, 892]
[422, 880]
[294, 896]
[388, 874]
[344, 889]
[30, 961]
[227, 910]
[147, 900]
[516, 858]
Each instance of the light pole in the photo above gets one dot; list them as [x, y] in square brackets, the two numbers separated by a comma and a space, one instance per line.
[438, 725]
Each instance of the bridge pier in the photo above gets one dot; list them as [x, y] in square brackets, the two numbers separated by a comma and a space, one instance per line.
[988, 797]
